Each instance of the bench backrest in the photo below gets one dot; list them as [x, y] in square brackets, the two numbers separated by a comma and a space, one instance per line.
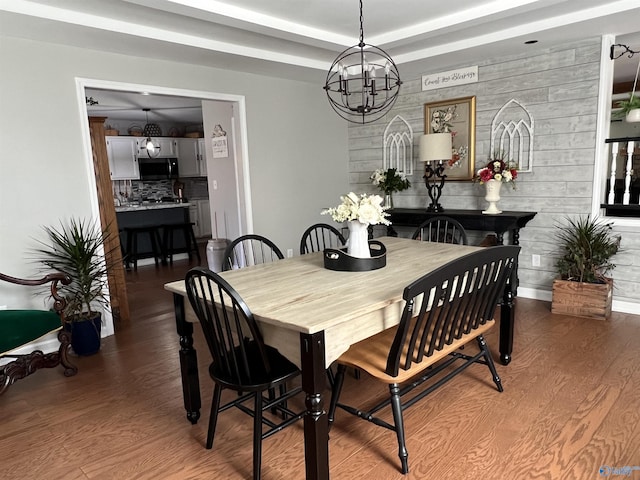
[449, 303]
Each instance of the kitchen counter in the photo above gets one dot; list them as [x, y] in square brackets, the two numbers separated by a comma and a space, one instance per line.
[150, 206]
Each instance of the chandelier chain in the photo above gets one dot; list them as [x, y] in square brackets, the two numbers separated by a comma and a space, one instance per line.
[635, 81]
[361, 26]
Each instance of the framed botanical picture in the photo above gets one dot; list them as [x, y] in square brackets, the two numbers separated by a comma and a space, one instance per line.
[458, 117]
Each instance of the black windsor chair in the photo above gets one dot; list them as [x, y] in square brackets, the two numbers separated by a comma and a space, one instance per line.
[241, 360]
[320, 236]
[444, 310]
[249, 250]
[441, 229]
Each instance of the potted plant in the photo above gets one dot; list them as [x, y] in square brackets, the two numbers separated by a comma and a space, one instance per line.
[582, 287]
[389, 181]
[77, 249]
[630, 109]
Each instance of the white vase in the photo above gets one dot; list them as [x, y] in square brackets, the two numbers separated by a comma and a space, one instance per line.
[492, 195]
[633, 115]
[388, 201]
[358, 241]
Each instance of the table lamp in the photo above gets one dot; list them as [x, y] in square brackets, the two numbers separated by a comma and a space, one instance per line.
[435, 147]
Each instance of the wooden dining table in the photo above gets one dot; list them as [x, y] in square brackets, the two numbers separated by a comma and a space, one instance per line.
[312, 315]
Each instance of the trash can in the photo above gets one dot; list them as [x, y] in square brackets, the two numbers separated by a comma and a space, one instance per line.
[215, 253]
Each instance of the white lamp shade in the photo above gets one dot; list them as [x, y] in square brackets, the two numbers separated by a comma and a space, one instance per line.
[435, 146]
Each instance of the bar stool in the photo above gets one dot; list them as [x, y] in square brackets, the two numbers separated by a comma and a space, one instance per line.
[190, 243]
[132, 244]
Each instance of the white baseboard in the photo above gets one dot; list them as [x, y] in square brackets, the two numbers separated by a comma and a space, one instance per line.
[534, 294]
[47, 344]
[545, 295]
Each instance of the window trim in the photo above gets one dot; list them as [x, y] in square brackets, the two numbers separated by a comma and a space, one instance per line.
[603, 122]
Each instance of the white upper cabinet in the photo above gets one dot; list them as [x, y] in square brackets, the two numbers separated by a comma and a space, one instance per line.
[191, 157]
[122, 158]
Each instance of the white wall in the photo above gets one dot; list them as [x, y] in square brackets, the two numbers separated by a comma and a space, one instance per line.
[225, 188]
[297, 146]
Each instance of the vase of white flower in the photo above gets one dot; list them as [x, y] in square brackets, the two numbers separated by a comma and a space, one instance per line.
[358, 241]
[359, 211]
[389, 181]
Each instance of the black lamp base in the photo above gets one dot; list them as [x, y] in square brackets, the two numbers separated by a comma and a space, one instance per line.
[435, 207]
[434, 181]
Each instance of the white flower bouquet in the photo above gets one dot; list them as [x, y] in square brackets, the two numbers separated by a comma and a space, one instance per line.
[364, 208]
[389, 180]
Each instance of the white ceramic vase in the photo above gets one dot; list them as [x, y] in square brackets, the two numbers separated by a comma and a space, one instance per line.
[358, 241]
[492, 195]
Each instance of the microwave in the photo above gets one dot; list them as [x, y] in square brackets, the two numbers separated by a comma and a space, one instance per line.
[158, 168]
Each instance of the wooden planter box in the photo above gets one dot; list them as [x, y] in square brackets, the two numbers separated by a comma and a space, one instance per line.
[592, 300]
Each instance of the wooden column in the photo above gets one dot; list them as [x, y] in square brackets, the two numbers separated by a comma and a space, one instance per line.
[113, 252]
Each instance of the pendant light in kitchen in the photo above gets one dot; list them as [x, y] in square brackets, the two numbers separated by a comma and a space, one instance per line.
[151, 130]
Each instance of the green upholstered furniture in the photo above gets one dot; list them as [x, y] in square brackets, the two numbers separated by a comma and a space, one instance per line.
[19, 328]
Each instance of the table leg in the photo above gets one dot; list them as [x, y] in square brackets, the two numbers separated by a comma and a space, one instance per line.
[316, 428]
[507, 316]
[188, 362]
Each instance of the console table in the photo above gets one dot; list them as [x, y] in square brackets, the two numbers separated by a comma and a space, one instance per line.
[470, 219]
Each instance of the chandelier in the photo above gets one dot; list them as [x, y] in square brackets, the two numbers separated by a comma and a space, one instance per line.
[363, 82]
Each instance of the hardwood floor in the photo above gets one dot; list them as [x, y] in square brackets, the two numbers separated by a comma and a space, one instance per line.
[570, 406]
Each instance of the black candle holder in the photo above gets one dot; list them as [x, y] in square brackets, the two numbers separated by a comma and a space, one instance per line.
[434, 181]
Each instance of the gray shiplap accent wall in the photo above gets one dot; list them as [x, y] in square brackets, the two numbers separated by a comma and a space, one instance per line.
[559, 86]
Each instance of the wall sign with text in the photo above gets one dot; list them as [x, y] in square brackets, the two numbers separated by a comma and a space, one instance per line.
[219, 142]
[450, 78]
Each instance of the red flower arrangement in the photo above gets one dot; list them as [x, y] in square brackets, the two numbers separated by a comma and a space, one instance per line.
[498, 169]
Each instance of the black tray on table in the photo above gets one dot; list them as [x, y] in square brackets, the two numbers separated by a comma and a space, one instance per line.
[340, 260]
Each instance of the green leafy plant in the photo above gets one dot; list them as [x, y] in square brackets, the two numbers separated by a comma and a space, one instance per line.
[587, 246]
[77, 249]
[389, 180]
[627, 105]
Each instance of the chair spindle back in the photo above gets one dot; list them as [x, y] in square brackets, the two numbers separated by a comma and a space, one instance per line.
[450, 302]
[249, 250]
[229, 327]
[441, 229]
[320, 236]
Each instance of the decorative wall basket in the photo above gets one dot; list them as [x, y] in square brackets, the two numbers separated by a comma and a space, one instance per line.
[135, 130]
[341, 261]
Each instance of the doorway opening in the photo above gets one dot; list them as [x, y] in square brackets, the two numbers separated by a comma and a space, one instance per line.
[175, 103]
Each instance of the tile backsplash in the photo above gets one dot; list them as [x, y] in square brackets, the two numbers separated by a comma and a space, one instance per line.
[137, 190]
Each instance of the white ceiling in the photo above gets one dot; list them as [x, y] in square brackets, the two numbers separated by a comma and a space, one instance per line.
[300, 38]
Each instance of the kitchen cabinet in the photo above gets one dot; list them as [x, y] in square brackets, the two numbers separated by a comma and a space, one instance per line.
[204, 212]
[167, 146]
[200, 215]
[203, 157]
[191, 157]
[123, 162]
